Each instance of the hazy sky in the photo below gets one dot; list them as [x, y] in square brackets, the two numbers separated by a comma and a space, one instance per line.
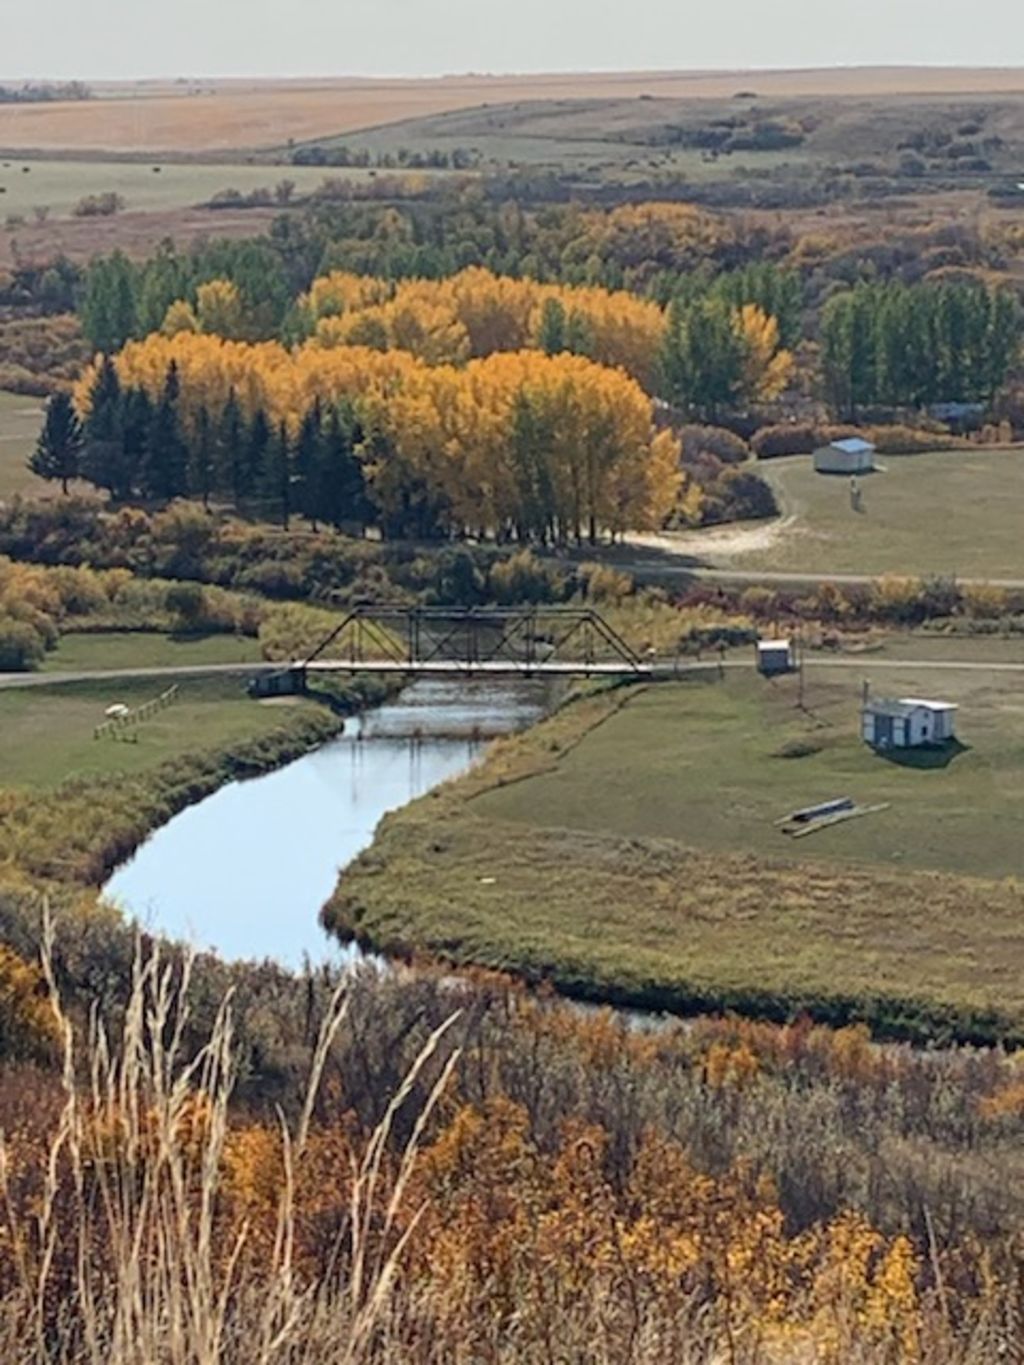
[126, 38]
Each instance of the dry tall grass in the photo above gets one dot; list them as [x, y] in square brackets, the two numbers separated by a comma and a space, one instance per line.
[115, 1257]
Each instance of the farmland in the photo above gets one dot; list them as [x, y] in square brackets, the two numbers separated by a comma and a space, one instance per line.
[945, 513]
[218, 117]
[628, 848]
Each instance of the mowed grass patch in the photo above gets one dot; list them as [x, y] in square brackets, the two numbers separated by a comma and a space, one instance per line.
[98, 650]
[704, 763]
[46, 733]
[20, 421]
[639, 864]
[948, 512]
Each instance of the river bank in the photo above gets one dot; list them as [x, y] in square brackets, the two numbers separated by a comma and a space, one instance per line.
[246, 871]
[75, 831]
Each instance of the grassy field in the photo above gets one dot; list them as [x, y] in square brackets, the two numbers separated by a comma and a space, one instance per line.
[626, 849]
[20, 419]
[142, 649]
[951, 512]
[59, 185]
[628, 136]
[46, 734]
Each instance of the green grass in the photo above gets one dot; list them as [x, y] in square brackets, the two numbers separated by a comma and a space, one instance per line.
[142, 649]
[59, 185]
[46, 733]
[629, 854]
[20, 419]
[951, 512]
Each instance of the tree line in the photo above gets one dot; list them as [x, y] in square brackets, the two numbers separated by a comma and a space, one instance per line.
[513, 445]
[137, 447]
[896, 345]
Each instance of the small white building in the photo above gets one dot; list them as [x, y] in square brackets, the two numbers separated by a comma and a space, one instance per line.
[850, 456]
[775, 656]
[907, 722]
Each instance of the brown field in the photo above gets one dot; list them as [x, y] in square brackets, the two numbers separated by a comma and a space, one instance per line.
[136, 234]
[217, 116]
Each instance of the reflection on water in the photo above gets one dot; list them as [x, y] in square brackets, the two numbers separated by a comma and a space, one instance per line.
[246, 871]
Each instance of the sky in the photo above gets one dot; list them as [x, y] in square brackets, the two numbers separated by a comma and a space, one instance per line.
[123, 39]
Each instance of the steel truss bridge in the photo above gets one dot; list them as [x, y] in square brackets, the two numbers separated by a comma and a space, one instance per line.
[526, 642]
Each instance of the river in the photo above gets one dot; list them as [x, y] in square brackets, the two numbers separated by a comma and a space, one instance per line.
[246, 871]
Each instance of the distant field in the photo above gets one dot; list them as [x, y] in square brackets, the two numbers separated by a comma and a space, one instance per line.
[59, 185]
[19, 428]
[627, 138]
[631, 854]
[46, 734]
[215, 117]
[143, 649]
[952, 512]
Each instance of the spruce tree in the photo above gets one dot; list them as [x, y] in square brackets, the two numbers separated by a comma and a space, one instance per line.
[307, 465]
[341, 483]
[201, 459]
[102, 461]
[229, 450]
[277, 474]
[254, 453]
[59, 450]
[165, 472]
[136, 426]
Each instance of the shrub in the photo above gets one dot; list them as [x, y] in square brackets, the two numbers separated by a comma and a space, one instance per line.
[603, 583]
[525, 578]
[718, 441]
[903, 440]
[790, 438]
[188, 602]
[103, 205]
[21, 646]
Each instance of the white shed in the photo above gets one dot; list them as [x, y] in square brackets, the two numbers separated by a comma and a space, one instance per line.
[850, 456]
[907, 722]
[775, 656]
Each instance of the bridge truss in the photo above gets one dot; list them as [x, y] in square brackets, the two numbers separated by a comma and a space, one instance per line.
[531, 641]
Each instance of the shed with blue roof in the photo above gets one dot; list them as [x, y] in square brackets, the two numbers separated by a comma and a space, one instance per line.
[853, 455]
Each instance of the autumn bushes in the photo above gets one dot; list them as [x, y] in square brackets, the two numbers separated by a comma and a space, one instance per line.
[38, 604]
[455, 1171]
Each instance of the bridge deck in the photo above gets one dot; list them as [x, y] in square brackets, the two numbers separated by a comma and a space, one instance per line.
[484, 668]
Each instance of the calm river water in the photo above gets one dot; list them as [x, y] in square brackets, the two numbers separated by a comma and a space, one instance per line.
[246, 871]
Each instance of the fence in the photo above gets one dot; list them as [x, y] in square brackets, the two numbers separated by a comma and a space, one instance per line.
[120, 727]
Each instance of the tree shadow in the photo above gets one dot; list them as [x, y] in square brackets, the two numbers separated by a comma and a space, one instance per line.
[925, 757]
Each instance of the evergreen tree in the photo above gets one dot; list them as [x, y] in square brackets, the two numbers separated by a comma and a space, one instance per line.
[256, 444]
[165, 471]
[341, 485]
[102, 460]
[201, 470]
[136, 426]
[307, 464]
[277, 474]
[58, 452]
[229, 453]
[551, 329]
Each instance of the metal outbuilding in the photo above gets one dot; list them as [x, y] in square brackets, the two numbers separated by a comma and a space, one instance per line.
[907, 722]
[775, 656]
[850, 456]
